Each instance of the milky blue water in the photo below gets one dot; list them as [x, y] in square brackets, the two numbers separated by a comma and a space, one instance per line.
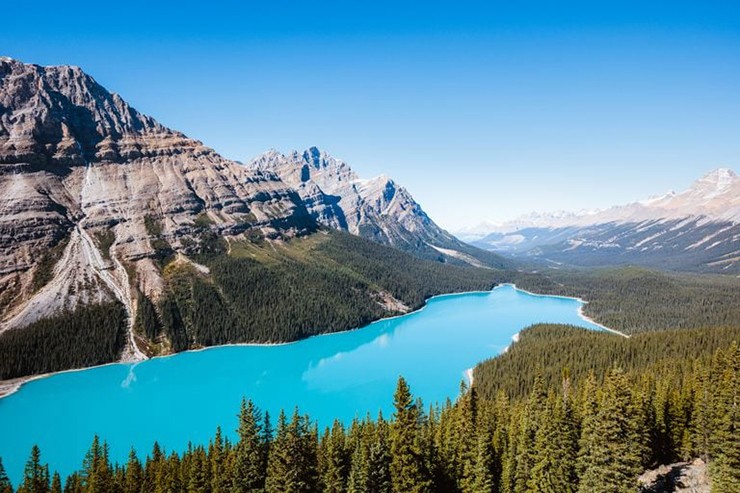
[183, 398]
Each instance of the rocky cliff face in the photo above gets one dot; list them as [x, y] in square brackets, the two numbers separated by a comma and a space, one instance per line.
[83, 172]
[376, 208]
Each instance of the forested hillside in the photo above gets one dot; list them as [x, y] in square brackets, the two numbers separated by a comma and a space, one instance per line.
[635, 300]
[257, 292]
[548, 350]
[585, 434]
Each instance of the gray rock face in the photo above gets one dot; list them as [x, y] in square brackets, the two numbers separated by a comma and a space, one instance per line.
[76, 161]
[376, 208]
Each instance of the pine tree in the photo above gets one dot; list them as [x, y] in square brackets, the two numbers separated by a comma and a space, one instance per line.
[465, 439]
[198, 477]
[379, 460]
[35, 475]
[531, 421]
[134, 477]
[292, 464]
[218, 458]
[249, 458]
[589, 408]
[56, 484]
[408, 473]
[725, 468]
[484, 464]
[612, 463]
[554, 451]
[5, 486]
[73, 484]
[335, 460]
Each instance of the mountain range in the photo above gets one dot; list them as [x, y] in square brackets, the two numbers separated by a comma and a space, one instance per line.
[103, 205]
[697, 229]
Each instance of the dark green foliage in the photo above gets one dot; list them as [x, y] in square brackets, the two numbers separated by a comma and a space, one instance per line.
[292, 466]
[5, 486]
[163, 252]
[612, 463]
[210, 246]
[153, 226]
[249, 460]
[105, 240]
[636, 300]
[582, 351]
[725, 432]
[45, 267]
[408, 469]
[326, 283]
[405, 277]
[35, 475]
[147, 320]
[90, 335]
[202, 221]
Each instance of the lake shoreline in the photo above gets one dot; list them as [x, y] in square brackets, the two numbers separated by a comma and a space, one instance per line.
[13, 385]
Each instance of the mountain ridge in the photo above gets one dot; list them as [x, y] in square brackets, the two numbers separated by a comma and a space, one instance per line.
[697, 229]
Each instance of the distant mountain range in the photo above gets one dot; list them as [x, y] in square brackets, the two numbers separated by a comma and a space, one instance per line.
[101, 204]
[694, 230]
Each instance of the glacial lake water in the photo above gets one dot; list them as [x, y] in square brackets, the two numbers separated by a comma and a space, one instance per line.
[183, 398]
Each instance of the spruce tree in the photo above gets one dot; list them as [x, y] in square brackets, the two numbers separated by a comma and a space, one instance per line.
[554, 451]
[249, 460]
[725, 468]
[525, 447]
[335, 463]
[465, 439]
[292, 464]
[612, 462]
[73, 484]
[218, 458]
[408, 473]
[484, 464]
[134, 477]
[56, 483]
[35, 474]
[5, 485]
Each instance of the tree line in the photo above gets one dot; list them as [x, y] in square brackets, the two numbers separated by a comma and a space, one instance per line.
[585, 435]
[633, 299]
[290, 294]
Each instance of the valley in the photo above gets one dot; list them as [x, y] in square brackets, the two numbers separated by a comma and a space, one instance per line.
[149, 285]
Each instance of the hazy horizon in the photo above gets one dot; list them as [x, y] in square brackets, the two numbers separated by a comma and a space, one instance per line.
[483, 111]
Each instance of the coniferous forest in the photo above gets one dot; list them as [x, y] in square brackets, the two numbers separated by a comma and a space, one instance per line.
[587, 433]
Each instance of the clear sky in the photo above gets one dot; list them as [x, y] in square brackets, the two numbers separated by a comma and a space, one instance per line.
[483, 110]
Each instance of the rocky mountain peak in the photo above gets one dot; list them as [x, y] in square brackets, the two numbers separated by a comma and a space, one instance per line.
[716, 182]
[59, 115]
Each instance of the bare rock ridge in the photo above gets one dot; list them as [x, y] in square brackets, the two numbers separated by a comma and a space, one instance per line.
[375, 208]
[697, 230]
[82, 170]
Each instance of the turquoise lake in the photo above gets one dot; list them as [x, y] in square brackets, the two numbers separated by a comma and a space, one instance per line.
[183, 398]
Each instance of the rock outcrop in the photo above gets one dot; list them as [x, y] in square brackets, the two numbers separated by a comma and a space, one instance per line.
[377, 208]
[81, 168]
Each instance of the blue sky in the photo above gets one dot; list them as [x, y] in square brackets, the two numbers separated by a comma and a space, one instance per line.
[483, 110]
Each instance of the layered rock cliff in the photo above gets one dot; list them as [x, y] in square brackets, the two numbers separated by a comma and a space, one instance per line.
[84, 172]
